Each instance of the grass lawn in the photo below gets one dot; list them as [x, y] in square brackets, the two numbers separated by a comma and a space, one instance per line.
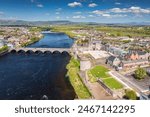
[102, 73]
[91, 77]
[112, 83]
[75, 80]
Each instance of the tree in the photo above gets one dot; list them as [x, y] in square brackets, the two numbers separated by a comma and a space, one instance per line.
[118, 34]
[140, 73]
[130, 94]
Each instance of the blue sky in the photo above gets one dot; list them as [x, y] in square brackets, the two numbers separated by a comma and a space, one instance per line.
[103, 11]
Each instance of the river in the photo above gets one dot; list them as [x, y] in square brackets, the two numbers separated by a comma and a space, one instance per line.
[30, 76]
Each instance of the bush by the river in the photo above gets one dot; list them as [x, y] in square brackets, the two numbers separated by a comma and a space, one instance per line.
[4, 48]
[76, 81]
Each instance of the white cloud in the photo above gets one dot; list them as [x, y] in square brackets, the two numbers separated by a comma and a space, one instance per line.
[39, 5]
[119, 15]
[57, 13]
[117, 3]
[74, 4]
[67, 17]
[59, 9]
[78, 17]
[91, 16]
[139, 10]
[121, 12]
[98, 12]
[118, 10]
[114, 15]
[93, 5]
[106, 15]
[1, 13]
[135, 10]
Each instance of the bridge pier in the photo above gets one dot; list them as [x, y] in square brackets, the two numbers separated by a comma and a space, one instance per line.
[52, 50]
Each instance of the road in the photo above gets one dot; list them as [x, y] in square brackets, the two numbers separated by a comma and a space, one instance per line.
[126, 81]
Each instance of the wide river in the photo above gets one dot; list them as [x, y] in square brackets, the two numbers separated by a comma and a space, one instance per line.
[30, 76]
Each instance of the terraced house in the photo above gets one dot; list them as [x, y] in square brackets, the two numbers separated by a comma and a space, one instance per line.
[130, 60]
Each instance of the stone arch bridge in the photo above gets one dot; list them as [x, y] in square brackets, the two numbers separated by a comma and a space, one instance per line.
[42, 50]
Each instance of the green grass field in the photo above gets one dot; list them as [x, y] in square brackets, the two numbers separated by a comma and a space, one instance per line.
[125, 31]
[100, 72]
[112, 83]
[75, 80]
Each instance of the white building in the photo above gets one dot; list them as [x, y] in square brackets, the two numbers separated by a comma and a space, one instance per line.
[10, 45]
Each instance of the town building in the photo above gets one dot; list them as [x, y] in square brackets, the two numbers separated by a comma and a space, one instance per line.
[113, 61]
[134, 63]
[2, 43]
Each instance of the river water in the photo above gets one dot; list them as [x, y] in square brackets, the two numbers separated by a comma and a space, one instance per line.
[32, 76]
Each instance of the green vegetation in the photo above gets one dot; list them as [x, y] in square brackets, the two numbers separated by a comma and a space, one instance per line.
[112, 83]
[126, 41]
[125, 31]
[75, 80]
[130, 94]
[140, 73]
[4, 48]
[65, 29]
[98, 72]
[82, 41]
[2, 32]
[32, 40]
[101, 72]
[39, 29]
[92, 78]
[69, 28]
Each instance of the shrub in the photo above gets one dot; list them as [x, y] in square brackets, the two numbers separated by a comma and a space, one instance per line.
[4, 48]
[130, 94]
[140, 73]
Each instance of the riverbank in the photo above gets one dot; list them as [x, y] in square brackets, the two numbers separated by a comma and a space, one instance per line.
[32, 40]
[46, 74]
[65, 30]
[3, 50]
[75, 80]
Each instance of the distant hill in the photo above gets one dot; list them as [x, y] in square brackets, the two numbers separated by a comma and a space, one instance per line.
[33, 23]
[65, 22]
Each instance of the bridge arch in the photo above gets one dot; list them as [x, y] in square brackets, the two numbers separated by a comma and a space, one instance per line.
[41, 50]
[21, 51]
[29, 52]
[47, 52]
[38, 52]
[13, 51]
[56, 52]
[65, 53]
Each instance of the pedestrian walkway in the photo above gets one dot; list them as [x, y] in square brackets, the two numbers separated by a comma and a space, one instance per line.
[97, 91]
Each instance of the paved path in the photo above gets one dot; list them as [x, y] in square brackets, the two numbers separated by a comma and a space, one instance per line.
[98, 92]
[127, 82]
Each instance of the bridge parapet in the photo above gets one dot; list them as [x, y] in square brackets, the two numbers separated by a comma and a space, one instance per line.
[52, 50]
